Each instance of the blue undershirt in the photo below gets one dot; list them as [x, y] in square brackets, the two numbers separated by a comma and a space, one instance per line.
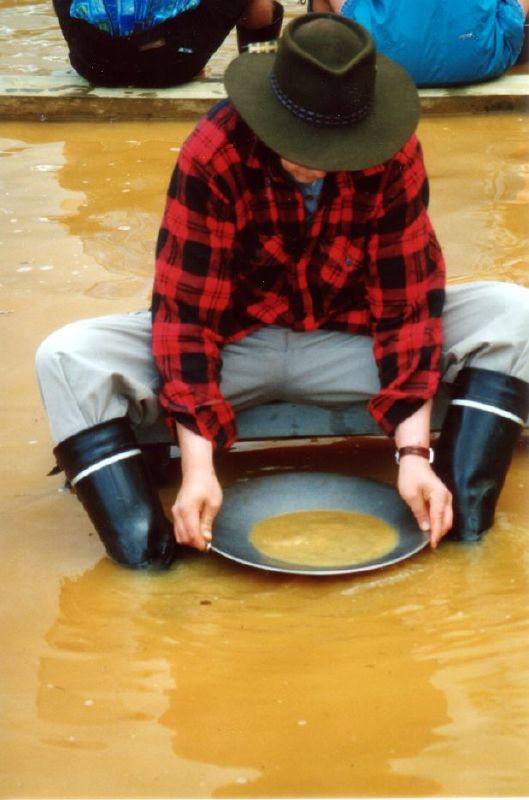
[311, 195]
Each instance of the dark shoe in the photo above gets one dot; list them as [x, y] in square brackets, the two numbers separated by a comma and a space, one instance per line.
[105, 468]
[475, 447]
[248, 36]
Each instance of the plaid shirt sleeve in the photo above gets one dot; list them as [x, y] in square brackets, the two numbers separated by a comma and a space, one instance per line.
[405, 289]
[191, 296]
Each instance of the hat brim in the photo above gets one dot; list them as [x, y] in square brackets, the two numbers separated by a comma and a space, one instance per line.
[392, 120]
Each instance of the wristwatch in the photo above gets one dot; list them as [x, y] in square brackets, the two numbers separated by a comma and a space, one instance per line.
[424, 452]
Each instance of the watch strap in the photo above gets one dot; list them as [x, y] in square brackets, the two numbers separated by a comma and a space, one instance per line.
[414, 450]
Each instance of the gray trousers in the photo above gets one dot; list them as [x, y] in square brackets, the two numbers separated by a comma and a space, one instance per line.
[97, 369]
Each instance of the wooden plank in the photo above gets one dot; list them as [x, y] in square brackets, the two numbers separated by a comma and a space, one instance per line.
[277, 420]
[298, 420]
[66, 96]
[508, 93]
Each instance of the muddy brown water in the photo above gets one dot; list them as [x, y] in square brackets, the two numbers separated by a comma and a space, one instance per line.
[215, 680]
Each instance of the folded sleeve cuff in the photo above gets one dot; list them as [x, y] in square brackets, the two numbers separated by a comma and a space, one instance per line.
[216, 423]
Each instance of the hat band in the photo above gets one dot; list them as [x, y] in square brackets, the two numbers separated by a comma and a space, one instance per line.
[315, 116]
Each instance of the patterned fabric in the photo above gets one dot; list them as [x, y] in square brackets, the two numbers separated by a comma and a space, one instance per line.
[235, 253]
[123, 17]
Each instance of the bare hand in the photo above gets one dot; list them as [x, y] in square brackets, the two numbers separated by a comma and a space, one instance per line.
[427, 496]
[196, 506]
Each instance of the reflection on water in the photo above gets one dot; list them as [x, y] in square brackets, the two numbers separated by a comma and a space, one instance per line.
[103, 184]
[214, 680]
[32, 42]
[113, 180]
[479, 194]
[253, 675]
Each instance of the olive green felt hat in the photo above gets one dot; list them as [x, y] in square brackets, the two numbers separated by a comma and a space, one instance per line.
[324, 98]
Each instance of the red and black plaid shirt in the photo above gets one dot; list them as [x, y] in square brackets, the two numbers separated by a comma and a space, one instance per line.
[235, 253]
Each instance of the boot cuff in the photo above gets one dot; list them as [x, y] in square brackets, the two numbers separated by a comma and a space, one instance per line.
[494, 389]
[93, 445]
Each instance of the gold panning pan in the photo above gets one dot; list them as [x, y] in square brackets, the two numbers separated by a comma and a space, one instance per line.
[315, 523]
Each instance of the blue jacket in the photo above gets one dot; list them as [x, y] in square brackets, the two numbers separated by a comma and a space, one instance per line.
[444, 42]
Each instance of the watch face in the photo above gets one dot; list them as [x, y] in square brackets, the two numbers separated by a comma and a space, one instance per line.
[315, 523]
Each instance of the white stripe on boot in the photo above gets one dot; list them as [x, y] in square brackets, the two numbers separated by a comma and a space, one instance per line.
[105, 462]
[500, 412]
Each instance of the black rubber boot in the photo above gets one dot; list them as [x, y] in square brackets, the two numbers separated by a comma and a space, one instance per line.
[105, 468]
[476, 444]
[247, 36]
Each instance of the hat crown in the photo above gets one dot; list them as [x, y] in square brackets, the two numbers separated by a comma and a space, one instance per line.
[324, 70]
[323, 97]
